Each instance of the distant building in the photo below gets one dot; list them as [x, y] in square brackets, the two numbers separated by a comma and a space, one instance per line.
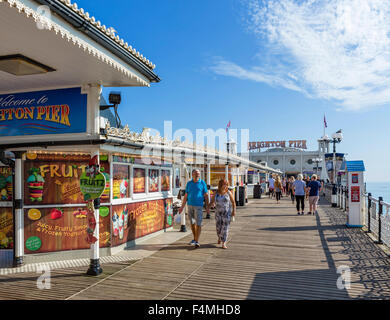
[291, 160]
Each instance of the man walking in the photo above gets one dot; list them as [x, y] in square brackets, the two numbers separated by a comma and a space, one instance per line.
[314, 188]
[271, 186]
[196, 193]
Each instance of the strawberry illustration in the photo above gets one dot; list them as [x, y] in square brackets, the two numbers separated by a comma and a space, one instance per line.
[56, 214]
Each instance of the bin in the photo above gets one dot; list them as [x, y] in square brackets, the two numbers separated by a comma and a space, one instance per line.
[242, 196]
[257, 191]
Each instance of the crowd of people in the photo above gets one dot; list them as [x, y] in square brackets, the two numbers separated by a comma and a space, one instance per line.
[298, 190]
[196, 197]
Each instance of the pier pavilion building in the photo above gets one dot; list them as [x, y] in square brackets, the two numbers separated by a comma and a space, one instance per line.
[291, 157]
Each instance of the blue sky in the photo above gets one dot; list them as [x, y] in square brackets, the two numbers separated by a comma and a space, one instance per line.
[273, 67]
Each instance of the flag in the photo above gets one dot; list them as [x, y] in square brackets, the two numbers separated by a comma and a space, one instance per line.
[325, 124]
[228, 126]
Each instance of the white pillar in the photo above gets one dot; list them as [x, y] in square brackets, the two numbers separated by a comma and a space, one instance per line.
[209, 177]
[19, 222]
[183, 179]
[227, 172]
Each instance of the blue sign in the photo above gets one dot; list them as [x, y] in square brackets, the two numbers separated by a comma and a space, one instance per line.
[43, 112]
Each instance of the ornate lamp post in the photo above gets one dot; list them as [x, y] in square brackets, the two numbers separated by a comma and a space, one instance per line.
[317, 161]
[337, 137]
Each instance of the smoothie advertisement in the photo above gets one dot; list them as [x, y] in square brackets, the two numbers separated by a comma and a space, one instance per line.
[135, 220]
[58, 229]
[54, 178]
[6, 228]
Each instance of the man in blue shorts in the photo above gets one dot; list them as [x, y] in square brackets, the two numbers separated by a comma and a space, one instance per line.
[196, 193]
[314, 188]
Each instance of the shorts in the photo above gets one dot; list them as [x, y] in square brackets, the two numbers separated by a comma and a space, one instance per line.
[195, 213]
[313, 200]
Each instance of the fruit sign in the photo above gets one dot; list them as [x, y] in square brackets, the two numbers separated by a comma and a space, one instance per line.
[92, 181]
[92, 185]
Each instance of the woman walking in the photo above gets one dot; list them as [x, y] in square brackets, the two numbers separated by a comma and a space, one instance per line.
[285, 186]
[299, 192]
[291, 188]
[278, 189]
[224, 202]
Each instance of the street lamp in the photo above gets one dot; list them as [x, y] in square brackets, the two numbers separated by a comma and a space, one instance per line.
[317, 161]
[337, 137]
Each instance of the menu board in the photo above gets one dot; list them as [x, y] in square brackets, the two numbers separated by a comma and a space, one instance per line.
[54, 179]
[58, 229]
[139, 180]
[135, 220]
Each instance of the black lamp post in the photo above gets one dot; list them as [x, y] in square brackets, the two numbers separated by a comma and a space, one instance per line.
[337, 137]
[317, 161]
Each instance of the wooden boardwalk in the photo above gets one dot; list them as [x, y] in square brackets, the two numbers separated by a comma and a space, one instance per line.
[273, 254]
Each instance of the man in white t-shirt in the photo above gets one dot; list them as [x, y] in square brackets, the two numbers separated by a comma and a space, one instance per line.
[271, 186]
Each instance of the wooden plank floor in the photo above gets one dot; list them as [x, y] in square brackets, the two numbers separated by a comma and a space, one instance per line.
[273, 254]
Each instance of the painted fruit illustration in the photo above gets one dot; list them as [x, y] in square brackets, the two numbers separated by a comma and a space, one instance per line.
[80, 214]
[35, 183]
[34, 214]
[31, 156]
[56, 214]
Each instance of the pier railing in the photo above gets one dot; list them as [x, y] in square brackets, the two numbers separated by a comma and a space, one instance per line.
[376, 212]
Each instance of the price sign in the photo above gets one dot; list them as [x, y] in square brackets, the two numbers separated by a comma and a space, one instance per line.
[355, 194]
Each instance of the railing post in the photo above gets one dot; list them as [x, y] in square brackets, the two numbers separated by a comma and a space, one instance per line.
[345, 198]
[380, 211]
[369, 213]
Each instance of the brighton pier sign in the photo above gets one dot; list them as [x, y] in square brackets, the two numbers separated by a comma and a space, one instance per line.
[299, 144]
[58, 111]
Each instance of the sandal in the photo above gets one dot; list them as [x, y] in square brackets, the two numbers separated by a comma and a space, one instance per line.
[224, 246]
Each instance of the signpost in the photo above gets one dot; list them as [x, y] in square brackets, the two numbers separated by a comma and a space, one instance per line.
[92, 185]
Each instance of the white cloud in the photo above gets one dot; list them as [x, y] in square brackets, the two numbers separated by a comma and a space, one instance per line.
[337, 50]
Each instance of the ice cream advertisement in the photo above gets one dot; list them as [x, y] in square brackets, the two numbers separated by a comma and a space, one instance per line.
[139, 219]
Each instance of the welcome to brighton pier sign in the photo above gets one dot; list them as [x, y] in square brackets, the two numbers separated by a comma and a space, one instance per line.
[299, 144]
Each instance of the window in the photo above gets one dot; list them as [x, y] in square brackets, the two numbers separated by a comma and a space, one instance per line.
[154, 177]
[121, 178]
[139, 180]
[276, 162]
[165, 180]
[292, 162]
